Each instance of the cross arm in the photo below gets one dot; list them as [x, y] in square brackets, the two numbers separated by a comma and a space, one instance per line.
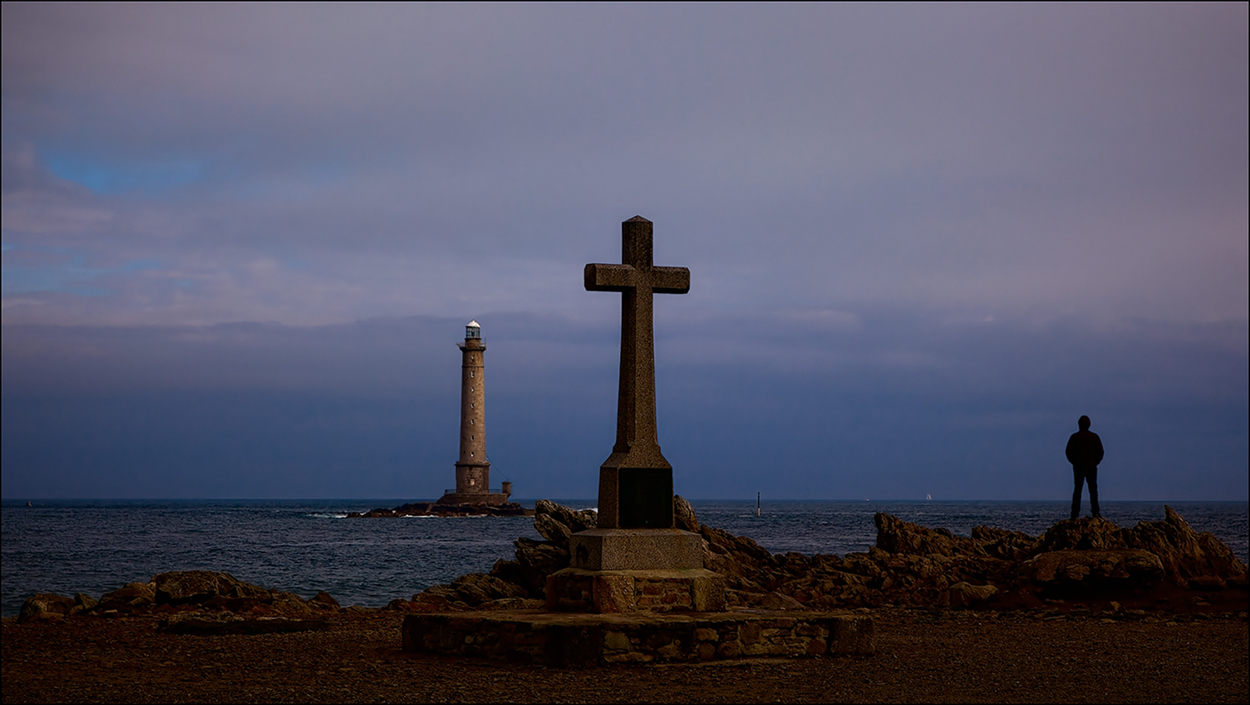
[610, 277]
[670, 280]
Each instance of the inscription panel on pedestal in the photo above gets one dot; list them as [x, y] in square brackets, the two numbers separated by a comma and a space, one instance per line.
[645, 498]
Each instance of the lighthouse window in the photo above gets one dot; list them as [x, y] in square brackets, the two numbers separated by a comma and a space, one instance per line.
[470, 373]
[471, 437]
[470, 422]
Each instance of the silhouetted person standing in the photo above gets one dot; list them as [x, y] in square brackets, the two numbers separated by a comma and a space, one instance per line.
[1084, 452]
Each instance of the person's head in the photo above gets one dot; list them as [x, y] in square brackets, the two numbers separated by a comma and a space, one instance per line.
[1083, 423]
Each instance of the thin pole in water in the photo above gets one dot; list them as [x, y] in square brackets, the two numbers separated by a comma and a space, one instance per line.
[757, 504]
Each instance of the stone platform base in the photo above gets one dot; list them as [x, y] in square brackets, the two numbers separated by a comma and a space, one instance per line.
[583, 640]
[613, 591]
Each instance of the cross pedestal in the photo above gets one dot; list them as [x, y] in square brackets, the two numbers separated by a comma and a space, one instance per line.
[635, 559]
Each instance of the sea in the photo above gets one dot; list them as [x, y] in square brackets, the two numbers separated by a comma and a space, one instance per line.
[305, 546]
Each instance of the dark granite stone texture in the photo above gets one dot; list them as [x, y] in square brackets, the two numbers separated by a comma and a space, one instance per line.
[636, 482]
[581, 640]
[635, 549]
[620, 591]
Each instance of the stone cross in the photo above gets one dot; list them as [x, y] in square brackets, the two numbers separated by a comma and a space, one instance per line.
[636, 482]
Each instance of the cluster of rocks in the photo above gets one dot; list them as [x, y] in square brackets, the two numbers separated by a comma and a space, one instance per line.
[184, 599]
[440, 509]
[1089, 561]
[511, 584]
[1084, 561]
[1080, 561]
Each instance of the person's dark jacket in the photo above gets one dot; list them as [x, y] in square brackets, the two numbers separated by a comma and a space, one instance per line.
[1084, 449]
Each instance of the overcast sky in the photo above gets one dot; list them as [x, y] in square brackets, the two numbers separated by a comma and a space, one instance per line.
[240, 243]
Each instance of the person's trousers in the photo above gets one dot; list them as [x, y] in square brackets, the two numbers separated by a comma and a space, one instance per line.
[1081, 476]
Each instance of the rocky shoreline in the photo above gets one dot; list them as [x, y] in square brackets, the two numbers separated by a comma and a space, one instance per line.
[1084, 564]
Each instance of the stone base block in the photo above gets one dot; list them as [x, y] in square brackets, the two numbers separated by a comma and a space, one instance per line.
[582, 640]
[623, 591]
[635, 549]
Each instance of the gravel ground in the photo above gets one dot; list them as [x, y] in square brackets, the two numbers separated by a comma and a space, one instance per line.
[921, 657]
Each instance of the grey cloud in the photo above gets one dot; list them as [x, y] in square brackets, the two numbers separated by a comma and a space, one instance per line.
[961, 204]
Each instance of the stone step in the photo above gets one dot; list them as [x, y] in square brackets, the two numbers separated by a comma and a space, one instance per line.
[583, 640]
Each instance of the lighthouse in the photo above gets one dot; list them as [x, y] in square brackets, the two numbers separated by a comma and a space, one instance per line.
[472, 467]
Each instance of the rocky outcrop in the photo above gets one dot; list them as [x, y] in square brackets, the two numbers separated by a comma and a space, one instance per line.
[683, 515]
[44, 606]
[967, 595]
[197, 592]
[188, 586]
[1084, 560]
[573, 519]
[1090, 566]
[1168, 550]
[130, 595]
[510, 583]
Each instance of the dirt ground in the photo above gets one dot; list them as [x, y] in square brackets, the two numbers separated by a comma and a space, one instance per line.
[922, 656]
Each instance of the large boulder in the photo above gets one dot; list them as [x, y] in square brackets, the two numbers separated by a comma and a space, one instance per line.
[739, 548]
[575, 520]
[1092, 566]
[1186, 554]
[683, 515]
[552, 529]
[778, 601]
[964, 595]
[438, 598]
[897, 536]
[509, 571]
[476, 588]
[45, 605]
[556, 522]
[324, 600]
[288, 603]
[192, 586]
[129, 595]
[538, 559]
[1084, 534]
[1004, 544]
[83, 603]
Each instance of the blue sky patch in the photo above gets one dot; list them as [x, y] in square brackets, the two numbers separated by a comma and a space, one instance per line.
[122, 177]
[72, 276]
